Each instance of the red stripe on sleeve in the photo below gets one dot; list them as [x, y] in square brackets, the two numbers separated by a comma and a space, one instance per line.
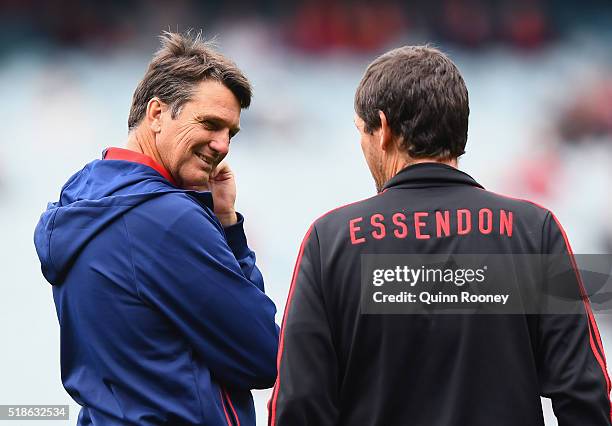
[596, 346]
[282, 334]
[224, 410]
[232, 407]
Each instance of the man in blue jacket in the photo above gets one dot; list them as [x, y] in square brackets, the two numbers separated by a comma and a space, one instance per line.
[163, 315]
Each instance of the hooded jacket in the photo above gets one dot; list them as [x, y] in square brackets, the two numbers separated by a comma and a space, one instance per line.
[163, 315]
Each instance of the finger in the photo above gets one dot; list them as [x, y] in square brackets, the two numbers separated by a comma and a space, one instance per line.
[223, 166]
[221, 169]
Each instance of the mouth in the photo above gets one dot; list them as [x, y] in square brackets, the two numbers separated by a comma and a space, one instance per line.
[207, 160]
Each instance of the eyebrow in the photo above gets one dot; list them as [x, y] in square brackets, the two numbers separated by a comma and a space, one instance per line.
[217, 120]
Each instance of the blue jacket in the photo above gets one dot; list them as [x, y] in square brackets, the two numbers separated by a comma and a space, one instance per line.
[163, 315]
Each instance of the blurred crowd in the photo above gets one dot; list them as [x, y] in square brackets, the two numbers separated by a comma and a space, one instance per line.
[308, 25]
[579, 123]
[588, 115]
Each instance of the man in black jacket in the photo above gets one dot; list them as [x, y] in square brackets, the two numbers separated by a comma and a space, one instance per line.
[345, 359]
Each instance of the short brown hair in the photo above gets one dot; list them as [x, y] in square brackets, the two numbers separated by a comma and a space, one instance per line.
[424, 98]
[182, 62]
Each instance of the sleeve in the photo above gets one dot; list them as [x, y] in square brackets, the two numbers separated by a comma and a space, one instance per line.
[236, 240]
[306, 389]
[572, 366]
[206, 283]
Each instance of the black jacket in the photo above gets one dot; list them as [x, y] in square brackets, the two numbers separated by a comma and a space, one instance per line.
[338, 366]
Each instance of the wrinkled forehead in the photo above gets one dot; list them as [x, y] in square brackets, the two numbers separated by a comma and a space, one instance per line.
[212, 98]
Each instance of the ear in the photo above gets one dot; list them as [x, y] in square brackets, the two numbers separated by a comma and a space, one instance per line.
[386, 136]
[153, 114]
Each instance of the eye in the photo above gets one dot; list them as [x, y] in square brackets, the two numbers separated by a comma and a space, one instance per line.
[209, 125]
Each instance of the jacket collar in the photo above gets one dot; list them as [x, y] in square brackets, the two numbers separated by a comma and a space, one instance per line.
[203, 197]
[136, 157]
[424, 175]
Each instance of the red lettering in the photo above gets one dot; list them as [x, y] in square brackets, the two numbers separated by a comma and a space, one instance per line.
[464, 221]
[489, 221]
[505, 223]
[399, 220]
[443, 223]
[418, 225]
[377, 222]
[353, 229]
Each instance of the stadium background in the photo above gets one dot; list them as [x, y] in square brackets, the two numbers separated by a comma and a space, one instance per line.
[539, 75]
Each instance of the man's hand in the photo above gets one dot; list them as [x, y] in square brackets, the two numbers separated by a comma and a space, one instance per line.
[222, 185]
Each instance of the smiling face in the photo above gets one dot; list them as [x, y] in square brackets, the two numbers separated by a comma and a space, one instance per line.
[192, 144]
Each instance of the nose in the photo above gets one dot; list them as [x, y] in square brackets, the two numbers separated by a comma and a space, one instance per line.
[220, 144]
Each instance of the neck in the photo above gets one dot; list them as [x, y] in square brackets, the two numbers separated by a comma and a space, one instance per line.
[452, 162]
[398, 163]
[144, 142]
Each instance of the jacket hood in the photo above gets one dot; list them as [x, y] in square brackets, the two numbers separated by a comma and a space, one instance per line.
[91, 199]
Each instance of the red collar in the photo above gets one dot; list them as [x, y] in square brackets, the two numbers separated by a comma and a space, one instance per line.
[137, 157]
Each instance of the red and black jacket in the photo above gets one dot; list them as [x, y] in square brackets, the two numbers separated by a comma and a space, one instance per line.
[338, 366]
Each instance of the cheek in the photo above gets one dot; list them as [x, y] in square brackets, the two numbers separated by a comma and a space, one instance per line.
[185, 138]
[167, 140]
[366, 147]
[181, 145]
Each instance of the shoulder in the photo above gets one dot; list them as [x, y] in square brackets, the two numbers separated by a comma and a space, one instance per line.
[331, 221]
[345, 211]
[180, 213]
[525, 207]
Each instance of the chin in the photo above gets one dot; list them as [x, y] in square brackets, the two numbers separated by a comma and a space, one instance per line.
[200, 187]
[196, 181]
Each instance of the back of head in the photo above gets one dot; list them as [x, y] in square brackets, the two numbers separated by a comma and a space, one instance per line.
[183, 61]
[424, 98]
